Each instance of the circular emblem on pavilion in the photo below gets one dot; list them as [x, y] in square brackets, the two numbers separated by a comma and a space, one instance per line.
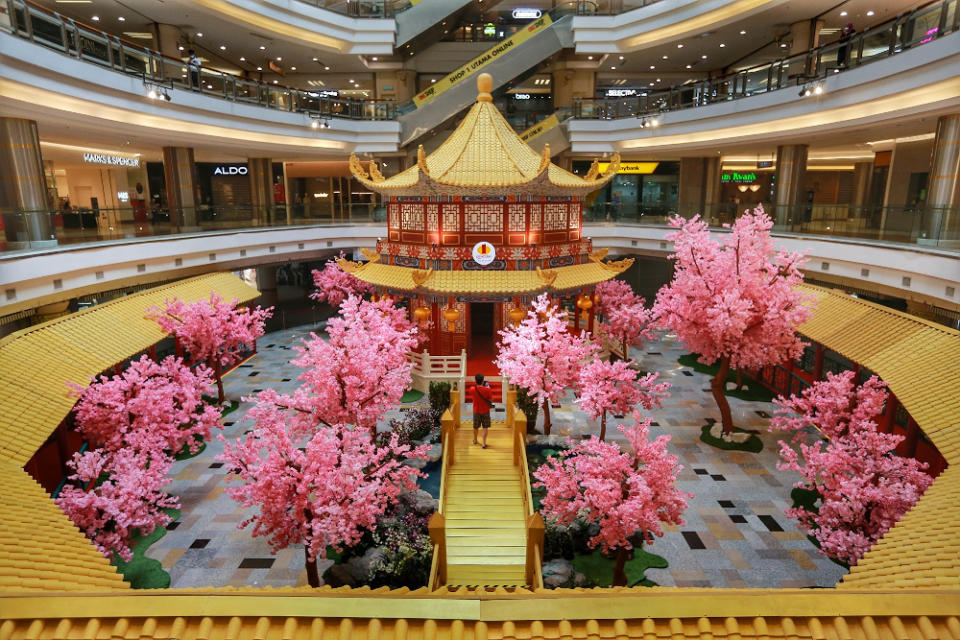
[484, 253]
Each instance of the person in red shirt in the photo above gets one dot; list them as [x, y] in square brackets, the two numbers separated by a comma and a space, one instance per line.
[482, 395]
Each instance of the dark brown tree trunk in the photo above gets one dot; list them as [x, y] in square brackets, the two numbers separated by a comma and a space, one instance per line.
[619, 569]
[739, 380]
[546, 418]
[603, 426]
[313, 576]
[718, 386]
[218, 374]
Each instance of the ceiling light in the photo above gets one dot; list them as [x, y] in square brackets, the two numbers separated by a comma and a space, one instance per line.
[259, 68]
[843, 14]
[743, 33]
[374, 58]
[689, 66]
[326, 68]
[262, 48]
[589, 57]
[680, 46]
[621, 57]
[293, 68]
[666, 57]
[351, 80]
[180, 47]
[722, 45]
[199, 35]
[783, 45]
[652, 67]
[276, 82]
[703, 57]
[433, 81]
[242, 59]
[314, 125]
[651, 84]
[613, 68]
[140, 35]
[121, 19]
[223, 47]
[869, 13]
[152, 94]
[279, 59]
[95, 18]
[818, 90]
[209, 86]
[316, 59]
[658, 79]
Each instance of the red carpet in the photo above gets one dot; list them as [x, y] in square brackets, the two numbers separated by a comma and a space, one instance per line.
[480, 360]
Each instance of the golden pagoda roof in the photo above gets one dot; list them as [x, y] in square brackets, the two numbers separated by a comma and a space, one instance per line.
[483, 155]
[447, 283]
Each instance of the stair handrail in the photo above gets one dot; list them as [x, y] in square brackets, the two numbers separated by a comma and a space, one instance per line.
[438, 564]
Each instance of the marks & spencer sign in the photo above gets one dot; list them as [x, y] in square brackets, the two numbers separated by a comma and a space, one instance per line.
[116, 161]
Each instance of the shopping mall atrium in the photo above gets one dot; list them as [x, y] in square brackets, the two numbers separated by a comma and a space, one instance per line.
[460, 158]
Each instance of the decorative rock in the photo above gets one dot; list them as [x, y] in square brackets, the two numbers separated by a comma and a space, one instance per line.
[420, 501]
[738, 437]
[557, 572]
[578, 579]
[435, 453]
[731, 386]
[416, 463]
[339, 575]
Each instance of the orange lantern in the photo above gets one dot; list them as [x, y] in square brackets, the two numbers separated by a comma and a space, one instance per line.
[374, 297]
[584, 302]
[517, 314]
[451, 315]
[422, 314]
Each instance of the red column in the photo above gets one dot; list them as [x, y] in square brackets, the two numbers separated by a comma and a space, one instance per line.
[152, 352]
[63, 447]
[818, 364]
[590, 317]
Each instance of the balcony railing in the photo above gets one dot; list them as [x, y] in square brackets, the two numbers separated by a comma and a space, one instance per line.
[160, 72]
[806, 70]
[363, 8]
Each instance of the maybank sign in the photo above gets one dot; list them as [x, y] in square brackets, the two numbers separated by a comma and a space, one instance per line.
[483, 60]
[117, 161]
[632, 167]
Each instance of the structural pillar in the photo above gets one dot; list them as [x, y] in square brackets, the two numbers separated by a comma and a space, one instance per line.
[862, 171]
[700, 187]
[261, 189]
[791, 167]
[23, 185]
[180, 175]
[943, 191]
[267, 284]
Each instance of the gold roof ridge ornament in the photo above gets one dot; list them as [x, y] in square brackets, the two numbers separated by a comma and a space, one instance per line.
[594, 170]
[484, 156]
[419, 276]
[350, 266]
[548, 276]
[617, 266]
[370, 254]
[599, 254]
[375, 174]
[356, 167]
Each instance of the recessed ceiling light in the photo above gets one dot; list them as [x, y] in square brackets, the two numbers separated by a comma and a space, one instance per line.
[870, 13]
[242, 59]
[374, 58]
[652, 67]
[326, 68]
[689, 66]
[651, 84]
[433, 81]
[262, 48]
[121, 19]
[316, 59]
[589, 57]
[293, 68]
[722, 45]
[179, 47]
[279, 59]
[743, 33]
[95, 18]
[658, 79]
[199, 35]
[703, 57]
[783, 45]
[223, 47]
[259, 68]
[621, 57]
[680, 46]
[274, 82]
[665, 57]
[843, 14]
[612, 68]
[351, 80]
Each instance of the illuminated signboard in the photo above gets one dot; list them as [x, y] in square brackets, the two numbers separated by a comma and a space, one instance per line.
[526, 14]
[117, 161]
[621, 93]
[521, 96]
[739, 178]
[632, 167]
[231, 171]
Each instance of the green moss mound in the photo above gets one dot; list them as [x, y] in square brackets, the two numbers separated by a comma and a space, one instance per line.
[411, 395]
[142, 572]
[598, 569]
[753, 444]
[753, 390]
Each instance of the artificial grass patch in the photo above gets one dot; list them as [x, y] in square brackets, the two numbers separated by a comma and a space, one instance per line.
[233, 407]
[753, 390]
[599, 569]
[142, 572]
[411, 395]
[185, 454]
[753, 444]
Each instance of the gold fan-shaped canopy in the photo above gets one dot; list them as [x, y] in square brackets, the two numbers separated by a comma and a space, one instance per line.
[483, 156]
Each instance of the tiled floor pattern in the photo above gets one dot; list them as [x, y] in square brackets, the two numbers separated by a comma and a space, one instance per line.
[735, 535]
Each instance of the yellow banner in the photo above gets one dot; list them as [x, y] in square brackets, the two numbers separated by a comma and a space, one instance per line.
[541, 127]
[632, 167]
[483, 60]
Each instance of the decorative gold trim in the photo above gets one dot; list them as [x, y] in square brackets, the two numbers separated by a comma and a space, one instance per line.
[370, 254]
[419, 276]
[601, 253]
[613, 168]
[544, 159]
[375, 174]
[547, 277]
[619, 265]
[594, 171]
[356, 167]
[351, 267]
[422, 161]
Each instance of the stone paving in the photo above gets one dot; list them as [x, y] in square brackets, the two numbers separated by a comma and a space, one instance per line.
[736, 534]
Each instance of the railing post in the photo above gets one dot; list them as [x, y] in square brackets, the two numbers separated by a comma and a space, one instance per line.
[519, 435]
[455, 403]
[436, 526]
[535, 534]
[448, 428]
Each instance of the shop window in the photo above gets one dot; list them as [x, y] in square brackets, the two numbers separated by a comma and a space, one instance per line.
[835, 363]
[808, 359]
[901, 417]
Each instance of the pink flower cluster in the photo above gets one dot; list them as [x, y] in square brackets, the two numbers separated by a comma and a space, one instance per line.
[616, 387]
[735, 297]
[864, 486]
[326, 494]
[334, 285]
[626, 319]
[140, 419]
[540, 354]
[625, 494]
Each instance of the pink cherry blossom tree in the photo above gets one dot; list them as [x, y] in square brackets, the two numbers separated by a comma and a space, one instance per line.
[864, 486]
[734, 299]
[130, 500]
[625, 494]
[616, 387]
[626, 319]
[150, 407]
[334, 285]
[212, 330]
[542, 356]
[355, 375]
[327, 494]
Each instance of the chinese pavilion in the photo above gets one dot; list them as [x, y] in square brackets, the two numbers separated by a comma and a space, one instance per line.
[479, 227]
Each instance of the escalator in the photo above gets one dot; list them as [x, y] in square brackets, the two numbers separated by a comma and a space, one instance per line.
[551, 130]
[505, 61]
[424, 15]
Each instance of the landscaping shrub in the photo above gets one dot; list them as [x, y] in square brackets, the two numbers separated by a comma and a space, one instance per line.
[439, 399]
[529, 407]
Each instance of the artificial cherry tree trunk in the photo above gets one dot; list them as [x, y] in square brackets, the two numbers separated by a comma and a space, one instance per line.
[718, 388]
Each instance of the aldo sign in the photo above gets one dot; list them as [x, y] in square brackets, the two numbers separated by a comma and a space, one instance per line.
[231, 170]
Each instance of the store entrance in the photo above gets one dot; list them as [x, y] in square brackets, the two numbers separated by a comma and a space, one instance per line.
[483, 349]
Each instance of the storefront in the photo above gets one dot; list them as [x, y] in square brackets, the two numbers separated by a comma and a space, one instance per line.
[647, 189]
[325, 190]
